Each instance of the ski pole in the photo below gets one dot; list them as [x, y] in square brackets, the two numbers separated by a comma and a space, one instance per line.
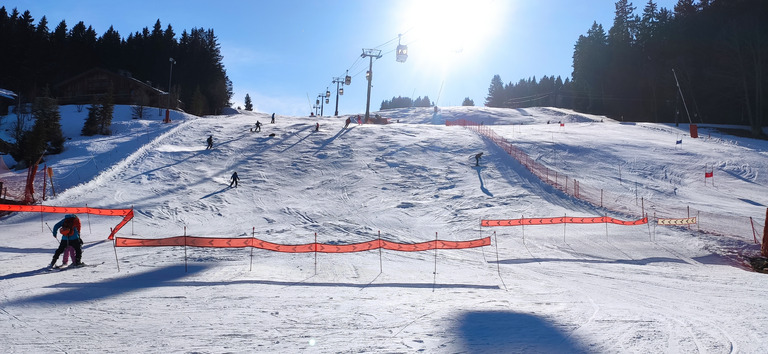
[49, 228]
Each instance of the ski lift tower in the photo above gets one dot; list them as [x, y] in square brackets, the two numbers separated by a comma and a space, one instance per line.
[370, 53]
[339, 91]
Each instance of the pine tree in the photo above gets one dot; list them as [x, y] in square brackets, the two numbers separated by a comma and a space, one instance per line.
[495, 93]
[468, 102]
[99, 119]
[248, 103]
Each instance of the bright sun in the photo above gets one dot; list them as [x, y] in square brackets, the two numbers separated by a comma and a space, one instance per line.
[439, 30]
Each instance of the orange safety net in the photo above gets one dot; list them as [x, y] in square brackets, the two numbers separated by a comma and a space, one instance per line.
[215, 242]
[127, 214]
[561, 220]
[764, 248]
[680, 221]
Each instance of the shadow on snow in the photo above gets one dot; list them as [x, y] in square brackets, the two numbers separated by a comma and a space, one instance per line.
[513, 332]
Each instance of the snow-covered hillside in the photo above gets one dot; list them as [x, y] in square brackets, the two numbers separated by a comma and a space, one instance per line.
[552, 288]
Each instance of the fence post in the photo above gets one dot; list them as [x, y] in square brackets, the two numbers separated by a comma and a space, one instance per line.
[253, 235]
[381, 263]
[185, 249]
[315, 253]
[114, 247]
[434, 274]
[565, 221]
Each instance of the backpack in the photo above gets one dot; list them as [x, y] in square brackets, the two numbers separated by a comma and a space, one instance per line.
[68, 226]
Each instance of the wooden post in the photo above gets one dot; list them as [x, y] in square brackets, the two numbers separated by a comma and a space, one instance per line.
[315, 253]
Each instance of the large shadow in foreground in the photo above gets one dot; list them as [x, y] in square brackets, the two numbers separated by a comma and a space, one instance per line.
[70, 293]
[512, 332]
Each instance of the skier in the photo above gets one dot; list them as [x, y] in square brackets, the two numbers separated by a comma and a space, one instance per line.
[234, 180]
[210, 142]
[317, 126]
[273, 117]
[70, 236]
[477, 159]
[258, 126]
[346, 123]
[69, 253]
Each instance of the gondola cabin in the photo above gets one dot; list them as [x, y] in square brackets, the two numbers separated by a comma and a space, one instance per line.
[402, 53]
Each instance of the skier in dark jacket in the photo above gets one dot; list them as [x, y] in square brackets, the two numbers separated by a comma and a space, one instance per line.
[258, 126]
[70, 236]
[477, 159]
[235, 179]
[210, 142]
[273, 117]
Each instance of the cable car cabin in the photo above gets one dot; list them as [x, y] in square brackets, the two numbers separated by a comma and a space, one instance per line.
[341, 91]
[402, 53]
[347, 80]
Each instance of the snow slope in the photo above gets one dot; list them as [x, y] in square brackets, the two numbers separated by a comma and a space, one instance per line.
[556, 288]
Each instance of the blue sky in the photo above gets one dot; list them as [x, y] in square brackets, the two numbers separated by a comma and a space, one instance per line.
[284, 53]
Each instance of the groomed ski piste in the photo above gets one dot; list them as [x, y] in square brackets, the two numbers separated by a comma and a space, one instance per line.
[594, 288]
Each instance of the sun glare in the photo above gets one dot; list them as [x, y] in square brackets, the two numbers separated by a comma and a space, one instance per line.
[439, 30]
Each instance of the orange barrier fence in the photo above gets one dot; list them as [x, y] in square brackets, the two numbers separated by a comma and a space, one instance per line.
[708, 222]
[683, 221]
[213, 242]
[561, 220]
[127, 214]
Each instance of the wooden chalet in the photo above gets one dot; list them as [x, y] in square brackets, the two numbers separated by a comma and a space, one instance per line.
[86, 87]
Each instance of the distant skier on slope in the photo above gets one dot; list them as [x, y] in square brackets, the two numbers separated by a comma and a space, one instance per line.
[258, 126]
[210, 142]
[273, 117]
[346, 123]
[477, 159]
[234, 181]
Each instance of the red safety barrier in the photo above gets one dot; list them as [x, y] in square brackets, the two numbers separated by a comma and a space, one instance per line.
[561, 220]
[194, 241]
[764, 248]
[127, 214]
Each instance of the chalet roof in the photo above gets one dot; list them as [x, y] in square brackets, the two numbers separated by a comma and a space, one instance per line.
[110, 73]
[7, 94]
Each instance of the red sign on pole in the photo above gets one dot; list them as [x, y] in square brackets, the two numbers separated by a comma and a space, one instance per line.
[694, 131]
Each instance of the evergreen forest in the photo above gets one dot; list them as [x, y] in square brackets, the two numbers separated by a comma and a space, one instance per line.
[717, 50]
[37, 55]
